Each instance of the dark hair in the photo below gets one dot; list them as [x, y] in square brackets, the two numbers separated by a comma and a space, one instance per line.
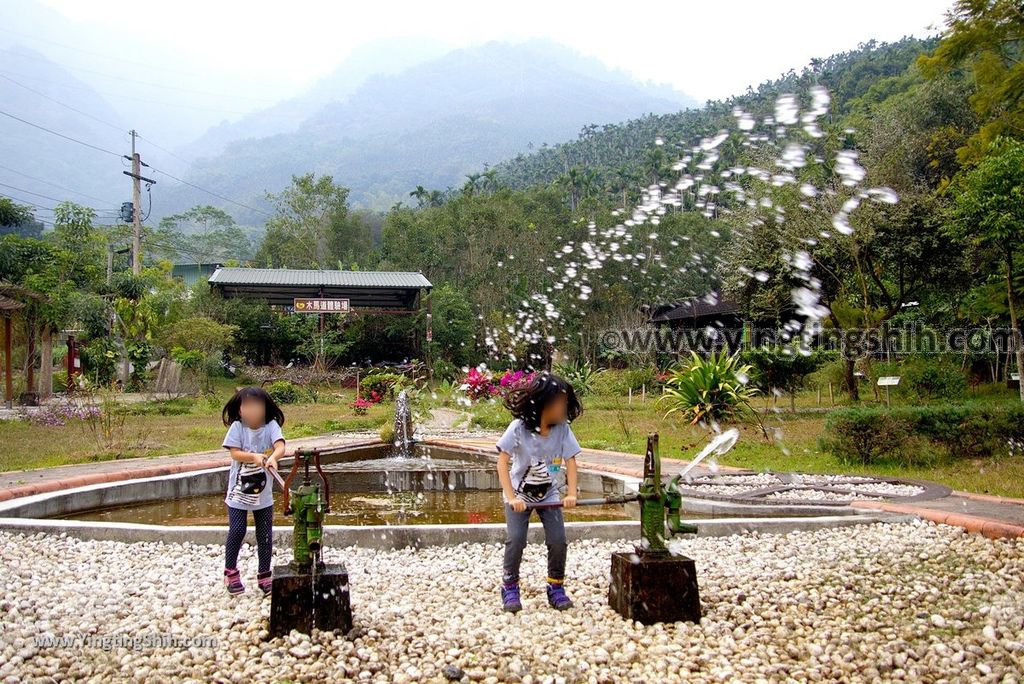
[527, 400]
[232, 409]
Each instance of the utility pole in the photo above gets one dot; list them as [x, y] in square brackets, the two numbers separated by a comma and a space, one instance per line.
[136, 209]
[137, 205]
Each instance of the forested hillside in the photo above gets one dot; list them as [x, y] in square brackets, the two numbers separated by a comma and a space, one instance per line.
[621, 158]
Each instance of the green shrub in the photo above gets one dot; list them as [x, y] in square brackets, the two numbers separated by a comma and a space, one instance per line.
[781, 369]
[969, 430]
[446, 370]
[932, 378]
[99, 360]
[832, 372]
[937, 378]
[612, 382]
[866, 435]
[285, 392]
[381, 382]
[387, 433]
[638, 378]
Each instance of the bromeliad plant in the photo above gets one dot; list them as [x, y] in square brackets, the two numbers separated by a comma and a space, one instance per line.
[709, 390]
[581, 375]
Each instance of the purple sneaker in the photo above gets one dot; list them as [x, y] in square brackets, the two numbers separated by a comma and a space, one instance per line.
[557, 598]
[510, 602]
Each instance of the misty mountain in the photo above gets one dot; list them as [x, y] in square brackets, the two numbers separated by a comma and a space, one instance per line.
[38, 168]
[429, 125]
[387, 56]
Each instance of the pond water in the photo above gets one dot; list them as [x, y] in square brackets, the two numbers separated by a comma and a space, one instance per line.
[354, 508]
[372, 486]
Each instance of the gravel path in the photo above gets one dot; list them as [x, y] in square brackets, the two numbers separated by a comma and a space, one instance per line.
[914, 602]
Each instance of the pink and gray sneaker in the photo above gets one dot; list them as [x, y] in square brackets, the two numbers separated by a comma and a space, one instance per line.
[265, 581]
[233, 581]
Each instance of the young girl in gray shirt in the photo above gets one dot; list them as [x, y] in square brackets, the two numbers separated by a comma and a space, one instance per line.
[536, 457]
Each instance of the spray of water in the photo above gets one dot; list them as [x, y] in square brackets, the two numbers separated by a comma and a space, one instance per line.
[792, 142]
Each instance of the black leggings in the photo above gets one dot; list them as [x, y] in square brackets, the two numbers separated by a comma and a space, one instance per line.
[237, 517]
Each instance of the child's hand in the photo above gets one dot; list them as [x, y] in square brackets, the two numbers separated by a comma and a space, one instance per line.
[272, 462]
[257, 459]
[518, 505]
[569, 501]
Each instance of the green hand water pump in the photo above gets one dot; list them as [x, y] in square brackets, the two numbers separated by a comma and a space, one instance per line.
[308, 502]
[660, 503]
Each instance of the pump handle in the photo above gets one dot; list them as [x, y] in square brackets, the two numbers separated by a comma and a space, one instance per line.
[288, 480]
[323, 479]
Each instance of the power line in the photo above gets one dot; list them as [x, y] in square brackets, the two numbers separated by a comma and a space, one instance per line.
[107, 93]
[162, 86]
[164, 149]
[211, 192]
[87, 114]
[62, 104]
[59, 135]
[21, 201]
[98, 54]
[155, 170]
[41, 180]
[35, 207]
[29, 192]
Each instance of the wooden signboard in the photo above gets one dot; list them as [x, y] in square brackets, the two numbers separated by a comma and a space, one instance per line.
[304, 305]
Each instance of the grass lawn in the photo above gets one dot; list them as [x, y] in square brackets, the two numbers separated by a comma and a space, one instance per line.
[160, 428]
[612, 423]
[608, 422]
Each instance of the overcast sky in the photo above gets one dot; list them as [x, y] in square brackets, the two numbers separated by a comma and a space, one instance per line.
[708, 49]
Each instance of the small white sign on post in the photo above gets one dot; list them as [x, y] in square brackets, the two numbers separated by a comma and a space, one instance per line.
[888, 381]
[1015, 376]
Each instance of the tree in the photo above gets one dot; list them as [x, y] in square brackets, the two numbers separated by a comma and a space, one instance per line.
[18, 219]
[781, 370]
[453, 325]
[205, 234]
[985, 36]
[312, 227]
[989, 212]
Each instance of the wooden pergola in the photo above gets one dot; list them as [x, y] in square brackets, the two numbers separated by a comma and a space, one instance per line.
[8, 307]
[15, 299]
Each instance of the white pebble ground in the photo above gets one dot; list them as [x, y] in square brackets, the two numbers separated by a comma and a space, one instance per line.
[914, 602]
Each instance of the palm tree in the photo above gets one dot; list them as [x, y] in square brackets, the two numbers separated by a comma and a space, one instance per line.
[421, 195]
[470, 187]
[490, 181]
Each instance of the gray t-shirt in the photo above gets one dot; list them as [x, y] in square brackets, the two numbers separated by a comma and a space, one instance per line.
[538, 462]
[250, 486]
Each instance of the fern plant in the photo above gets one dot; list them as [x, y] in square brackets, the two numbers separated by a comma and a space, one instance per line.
[708, 390]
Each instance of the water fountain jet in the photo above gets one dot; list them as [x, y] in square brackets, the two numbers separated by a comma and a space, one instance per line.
[404, 435]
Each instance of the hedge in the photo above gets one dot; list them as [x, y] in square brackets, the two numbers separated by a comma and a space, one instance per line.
[967, 430]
